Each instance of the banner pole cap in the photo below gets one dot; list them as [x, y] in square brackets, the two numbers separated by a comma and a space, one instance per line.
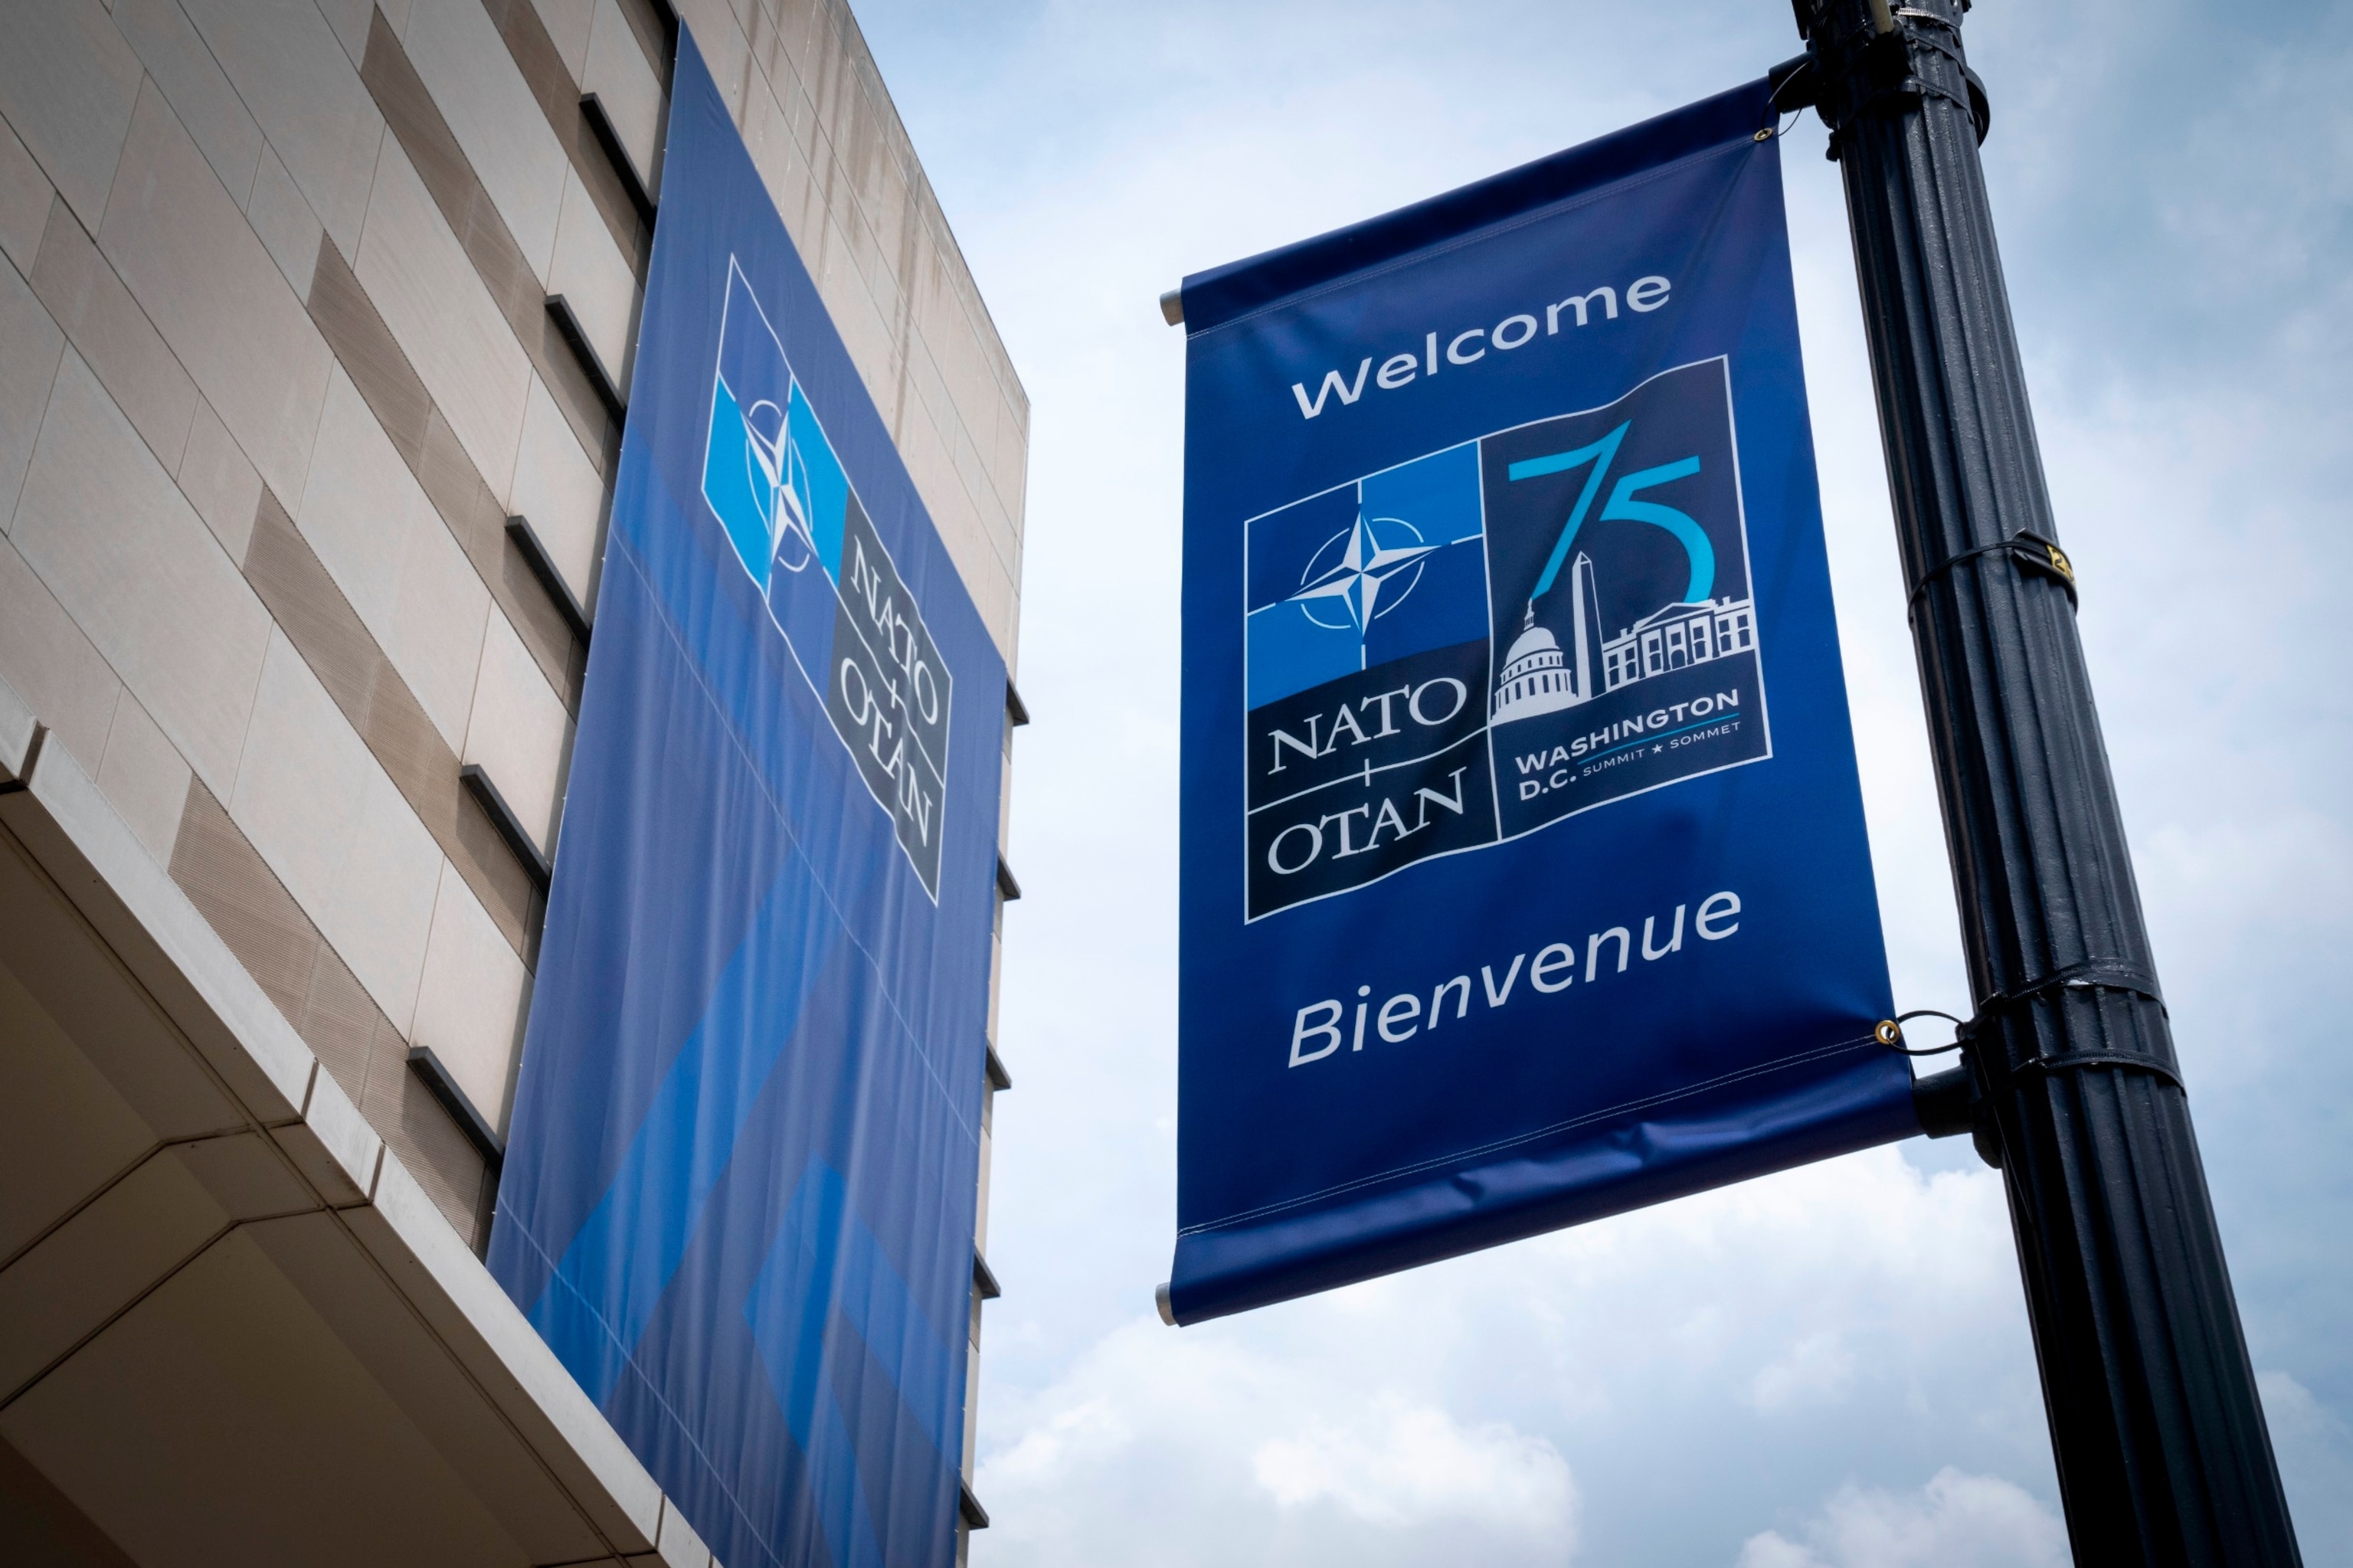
[1160, 1300]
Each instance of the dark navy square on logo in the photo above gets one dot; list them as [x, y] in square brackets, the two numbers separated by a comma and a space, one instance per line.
[1625, 630]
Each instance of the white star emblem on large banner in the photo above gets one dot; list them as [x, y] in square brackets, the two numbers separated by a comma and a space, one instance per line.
[1355, 580]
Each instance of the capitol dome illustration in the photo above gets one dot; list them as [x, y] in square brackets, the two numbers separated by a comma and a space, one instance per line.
[1536, 677]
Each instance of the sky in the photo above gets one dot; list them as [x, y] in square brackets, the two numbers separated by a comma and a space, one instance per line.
[1823, 1369]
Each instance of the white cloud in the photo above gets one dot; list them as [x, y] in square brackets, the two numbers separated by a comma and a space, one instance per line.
[1955, 1522]
[1399, 1464]
[1813, 1371]
[1159, 1447]
[1499, 1400]
[2315, 1456]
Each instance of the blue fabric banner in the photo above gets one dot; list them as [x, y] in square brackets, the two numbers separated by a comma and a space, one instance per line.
[1524, 869]
[738, 1198]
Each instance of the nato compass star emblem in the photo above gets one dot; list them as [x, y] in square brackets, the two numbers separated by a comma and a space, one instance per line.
[1361, 573]
[769, 462]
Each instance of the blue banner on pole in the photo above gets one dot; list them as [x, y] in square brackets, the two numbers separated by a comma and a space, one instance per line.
[740, 1187]
[1524, 870]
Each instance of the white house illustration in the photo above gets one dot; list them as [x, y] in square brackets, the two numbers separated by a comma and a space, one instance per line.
[1539, 677]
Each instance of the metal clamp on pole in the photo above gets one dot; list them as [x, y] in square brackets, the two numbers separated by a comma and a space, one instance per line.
[1886, 46]
[1954, 1101]
[1947, 1103]
[2092, 974]
[2026, 547]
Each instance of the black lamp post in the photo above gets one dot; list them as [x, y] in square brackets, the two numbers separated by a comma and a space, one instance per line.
[2162, 1453]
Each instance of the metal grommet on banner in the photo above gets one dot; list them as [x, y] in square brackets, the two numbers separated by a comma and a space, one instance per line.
[1890, 1033]
[1765, 135]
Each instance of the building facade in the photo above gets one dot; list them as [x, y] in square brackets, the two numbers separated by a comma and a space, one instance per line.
[317, 320]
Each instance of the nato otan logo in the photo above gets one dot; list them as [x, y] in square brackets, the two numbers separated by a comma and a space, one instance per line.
[1464, 649]
[773, 481]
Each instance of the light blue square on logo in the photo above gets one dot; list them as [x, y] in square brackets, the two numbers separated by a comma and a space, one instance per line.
[1389, 567]
[746, 460]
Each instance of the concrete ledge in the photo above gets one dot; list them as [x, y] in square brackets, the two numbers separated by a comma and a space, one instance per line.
[490, 1397]
[158, 936]
[17, 734]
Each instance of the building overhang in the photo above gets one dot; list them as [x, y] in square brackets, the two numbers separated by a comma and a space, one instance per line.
[233, 1328]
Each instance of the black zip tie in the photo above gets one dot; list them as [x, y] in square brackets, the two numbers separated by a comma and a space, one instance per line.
[2092, 974]
[1801, 75]
[2149, 1064]
[2028, 548]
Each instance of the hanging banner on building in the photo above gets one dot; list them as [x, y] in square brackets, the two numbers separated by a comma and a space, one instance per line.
[1524, 870]
[739, 1192]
